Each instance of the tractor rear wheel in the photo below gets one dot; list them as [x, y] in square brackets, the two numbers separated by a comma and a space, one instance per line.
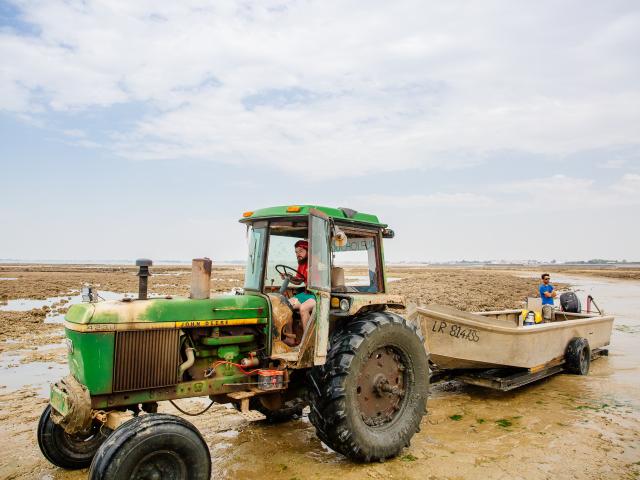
[368, 399]
[153, 446]
[68, 451]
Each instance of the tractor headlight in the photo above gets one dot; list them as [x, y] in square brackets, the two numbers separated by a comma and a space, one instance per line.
[344, 305]
[69, 344]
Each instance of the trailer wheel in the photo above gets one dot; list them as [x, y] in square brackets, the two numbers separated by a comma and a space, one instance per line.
[368, 399]
[64, 450]
[153, 446]
[578, 356]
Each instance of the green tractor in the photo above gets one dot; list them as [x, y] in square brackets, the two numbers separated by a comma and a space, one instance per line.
[361, 369]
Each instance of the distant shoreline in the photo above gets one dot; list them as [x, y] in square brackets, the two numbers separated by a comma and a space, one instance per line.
[423, 264]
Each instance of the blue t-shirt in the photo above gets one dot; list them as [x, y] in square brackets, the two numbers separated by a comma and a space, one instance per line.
[546, 288]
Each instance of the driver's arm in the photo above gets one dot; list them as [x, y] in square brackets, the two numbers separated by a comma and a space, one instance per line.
[297, 280]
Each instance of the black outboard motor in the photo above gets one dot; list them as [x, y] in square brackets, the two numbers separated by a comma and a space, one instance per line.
[570, 303]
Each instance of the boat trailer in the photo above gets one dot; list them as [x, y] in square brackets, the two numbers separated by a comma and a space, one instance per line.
[506, 379]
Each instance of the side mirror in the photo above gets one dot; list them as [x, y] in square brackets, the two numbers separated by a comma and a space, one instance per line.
[388, 233]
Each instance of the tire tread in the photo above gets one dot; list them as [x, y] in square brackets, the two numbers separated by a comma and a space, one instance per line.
[328, 390]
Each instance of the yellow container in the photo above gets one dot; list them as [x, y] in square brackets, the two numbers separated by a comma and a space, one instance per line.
[537, 316]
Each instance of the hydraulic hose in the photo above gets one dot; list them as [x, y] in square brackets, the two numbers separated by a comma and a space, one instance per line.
[191, 358]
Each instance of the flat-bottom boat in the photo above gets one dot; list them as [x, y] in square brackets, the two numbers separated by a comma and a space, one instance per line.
[496, 339]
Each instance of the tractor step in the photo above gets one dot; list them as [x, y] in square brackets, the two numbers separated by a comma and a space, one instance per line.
[253, 416]
[249, 415]
[240, 395]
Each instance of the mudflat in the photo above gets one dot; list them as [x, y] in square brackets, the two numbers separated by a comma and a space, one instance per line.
[563, 427]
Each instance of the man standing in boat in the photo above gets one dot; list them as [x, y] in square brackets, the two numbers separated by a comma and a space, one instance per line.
[547, 294]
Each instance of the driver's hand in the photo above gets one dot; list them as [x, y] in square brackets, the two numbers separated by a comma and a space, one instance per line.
[282, 276]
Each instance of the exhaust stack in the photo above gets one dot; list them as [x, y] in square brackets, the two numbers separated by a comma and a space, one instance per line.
[200, 278]
[143, 274]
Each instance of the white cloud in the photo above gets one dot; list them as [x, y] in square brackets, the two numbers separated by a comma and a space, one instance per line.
[350, 89]
[435, 200]
[553, 185]
[558, 193]
[74, 132]
[561, 193]
[629, 186]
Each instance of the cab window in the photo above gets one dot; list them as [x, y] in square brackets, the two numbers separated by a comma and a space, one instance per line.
[281, 251]
[256, 238]
[319, 268]
[359, 259]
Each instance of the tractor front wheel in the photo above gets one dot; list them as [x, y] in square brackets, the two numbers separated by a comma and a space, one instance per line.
[68, 451]
[368, 399]
[153, 446]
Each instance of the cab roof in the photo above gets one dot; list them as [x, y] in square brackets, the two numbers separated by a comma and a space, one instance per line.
[284, 211]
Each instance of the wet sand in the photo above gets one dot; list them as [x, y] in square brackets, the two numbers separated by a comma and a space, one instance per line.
[563, 427]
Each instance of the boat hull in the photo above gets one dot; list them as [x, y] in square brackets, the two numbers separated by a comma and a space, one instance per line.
[460, 340]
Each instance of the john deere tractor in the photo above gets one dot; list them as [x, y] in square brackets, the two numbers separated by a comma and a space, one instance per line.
[361, 369]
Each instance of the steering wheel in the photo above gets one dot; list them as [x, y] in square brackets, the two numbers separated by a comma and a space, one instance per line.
[283, 270]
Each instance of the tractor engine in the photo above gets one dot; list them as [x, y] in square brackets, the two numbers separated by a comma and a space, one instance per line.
[135, 352]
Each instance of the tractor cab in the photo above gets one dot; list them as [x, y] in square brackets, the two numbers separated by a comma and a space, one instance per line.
[309, 294]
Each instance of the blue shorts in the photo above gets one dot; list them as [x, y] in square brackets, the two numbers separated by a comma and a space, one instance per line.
[303, 297]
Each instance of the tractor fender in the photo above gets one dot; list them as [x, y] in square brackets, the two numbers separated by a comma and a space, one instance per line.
[71, 405]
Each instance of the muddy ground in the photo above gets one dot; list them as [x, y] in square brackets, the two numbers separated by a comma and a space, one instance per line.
[563, 427]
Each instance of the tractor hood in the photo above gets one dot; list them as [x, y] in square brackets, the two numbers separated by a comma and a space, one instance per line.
[173, 312]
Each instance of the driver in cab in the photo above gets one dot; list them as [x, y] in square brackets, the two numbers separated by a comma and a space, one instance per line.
[303, 301]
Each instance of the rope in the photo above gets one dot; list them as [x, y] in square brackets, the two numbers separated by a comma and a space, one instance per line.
[189, 413]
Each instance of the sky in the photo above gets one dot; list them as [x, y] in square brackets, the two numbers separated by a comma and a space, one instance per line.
[476, 130]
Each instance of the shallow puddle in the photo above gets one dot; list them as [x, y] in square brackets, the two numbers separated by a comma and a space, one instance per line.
[620, 298]
[54, 303]
[36, 375]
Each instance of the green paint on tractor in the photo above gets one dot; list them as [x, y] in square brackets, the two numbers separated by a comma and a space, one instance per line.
[304, 210]
[90, 359]
[176, 309]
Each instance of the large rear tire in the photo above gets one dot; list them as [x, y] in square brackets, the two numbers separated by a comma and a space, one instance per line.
[368, 399]
[578, 356]
[153, 446]
[64, 450]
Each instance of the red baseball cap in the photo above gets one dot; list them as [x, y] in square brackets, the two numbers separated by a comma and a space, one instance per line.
[302, 243]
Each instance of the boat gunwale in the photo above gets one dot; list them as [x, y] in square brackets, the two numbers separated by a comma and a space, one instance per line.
[484, 313]
[515, 329]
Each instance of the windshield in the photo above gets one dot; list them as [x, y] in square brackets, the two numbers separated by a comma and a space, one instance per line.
[282, 251]
[256, 238]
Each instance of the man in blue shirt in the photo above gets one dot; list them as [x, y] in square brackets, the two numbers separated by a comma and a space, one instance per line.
[547, 292]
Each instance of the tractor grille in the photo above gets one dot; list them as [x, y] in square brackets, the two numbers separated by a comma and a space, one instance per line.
[146, 359]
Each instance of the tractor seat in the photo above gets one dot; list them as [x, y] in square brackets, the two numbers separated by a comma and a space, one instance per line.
[345, 289]
[338, 283]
